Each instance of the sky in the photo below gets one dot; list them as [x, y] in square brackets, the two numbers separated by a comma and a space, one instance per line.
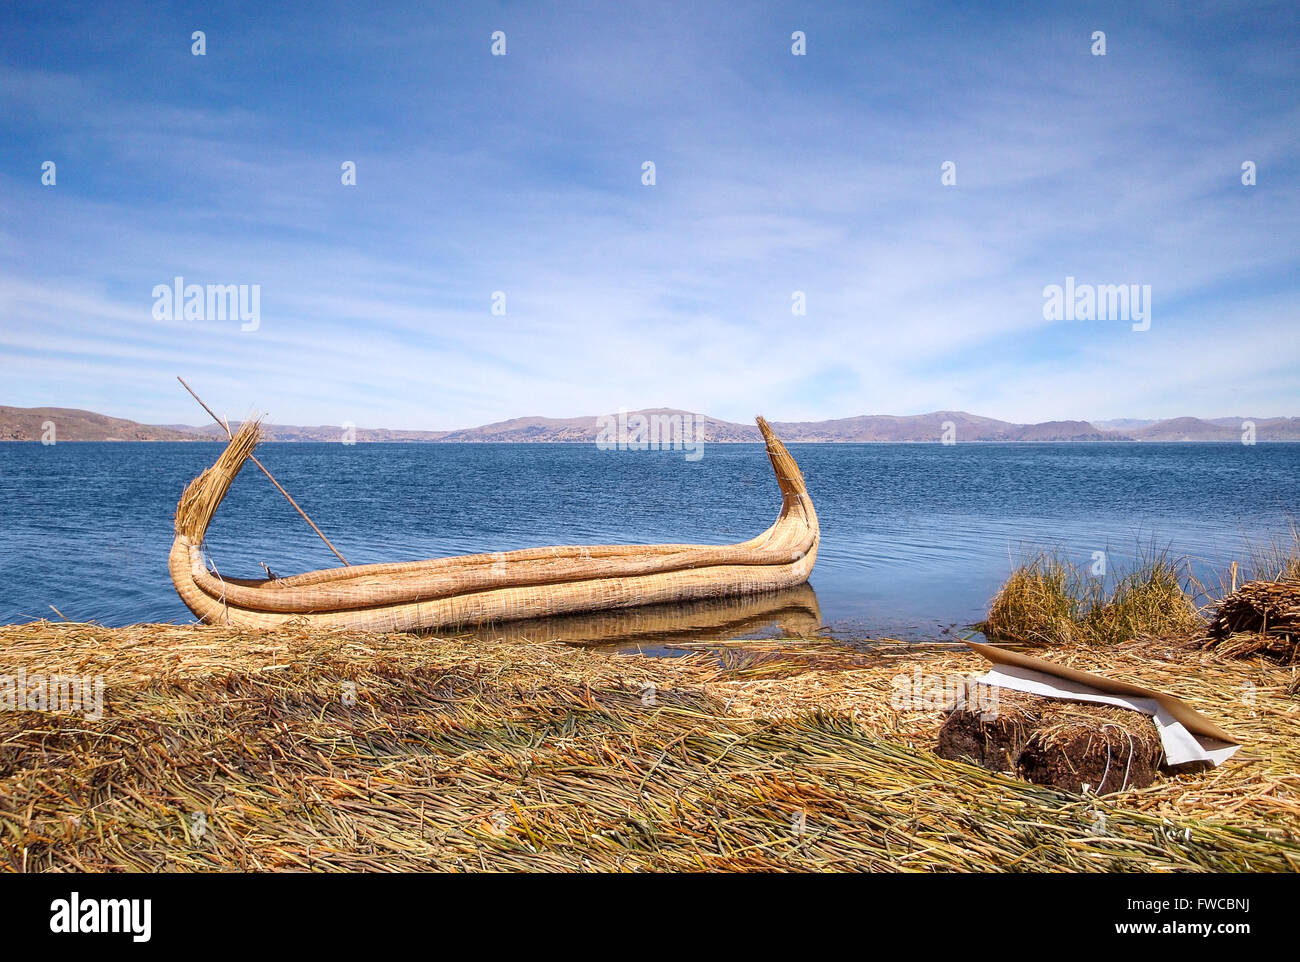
[774, 173]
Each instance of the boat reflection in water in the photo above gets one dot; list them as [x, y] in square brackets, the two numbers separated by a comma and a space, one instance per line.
[656, 629]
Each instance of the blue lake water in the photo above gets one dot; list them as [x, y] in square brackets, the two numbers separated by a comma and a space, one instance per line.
[916, 538]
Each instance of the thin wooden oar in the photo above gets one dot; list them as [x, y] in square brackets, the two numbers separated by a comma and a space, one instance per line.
[271, 477]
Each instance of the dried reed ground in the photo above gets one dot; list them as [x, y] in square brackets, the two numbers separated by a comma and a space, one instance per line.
[472, 755]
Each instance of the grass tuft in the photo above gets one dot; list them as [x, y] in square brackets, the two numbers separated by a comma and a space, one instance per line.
[1050, 601]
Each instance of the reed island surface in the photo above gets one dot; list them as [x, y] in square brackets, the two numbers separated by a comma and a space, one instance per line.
[306, 749]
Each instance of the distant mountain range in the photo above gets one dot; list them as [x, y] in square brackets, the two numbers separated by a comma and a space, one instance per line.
[28, 424]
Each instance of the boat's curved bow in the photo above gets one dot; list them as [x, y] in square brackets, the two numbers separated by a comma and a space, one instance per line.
[505, 586]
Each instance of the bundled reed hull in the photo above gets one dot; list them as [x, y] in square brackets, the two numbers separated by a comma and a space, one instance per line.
[505, 586]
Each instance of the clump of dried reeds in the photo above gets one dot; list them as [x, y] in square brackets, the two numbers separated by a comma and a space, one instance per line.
[1047, 741]
[1050, 601]
[1260, 617]
[1093, 748]
[297, 749]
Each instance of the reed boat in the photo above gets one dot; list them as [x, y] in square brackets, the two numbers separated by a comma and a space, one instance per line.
[483, 588]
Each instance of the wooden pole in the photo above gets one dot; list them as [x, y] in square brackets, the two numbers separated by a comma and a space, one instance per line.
[271, 477]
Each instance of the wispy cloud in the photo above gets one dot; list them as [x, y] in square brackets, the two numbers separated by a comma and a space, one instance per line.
[775, 174]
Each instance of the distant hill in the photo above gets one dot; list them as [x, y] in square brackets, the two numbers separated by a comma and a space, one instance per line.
[587, 429]
[871, 428]
[1276, 429]
[25, 424]
[1185, 429]
[1065, 431]
[70, 424]
[1218, 429]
